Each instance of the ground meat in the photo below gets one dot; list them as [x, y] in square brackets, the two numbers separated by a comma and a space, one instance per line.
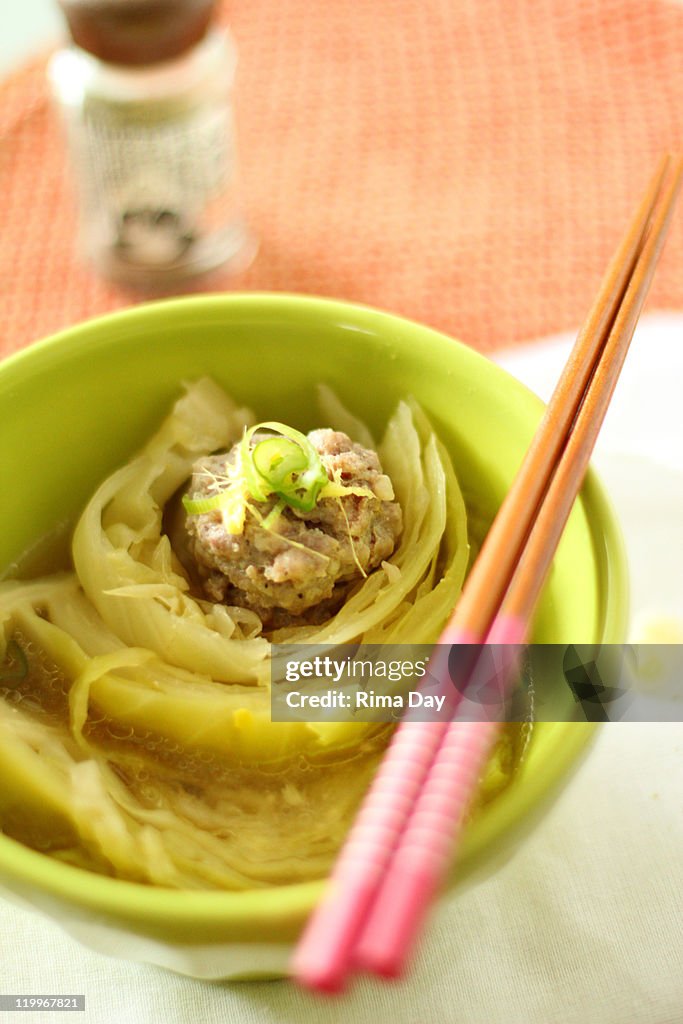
[302, 569]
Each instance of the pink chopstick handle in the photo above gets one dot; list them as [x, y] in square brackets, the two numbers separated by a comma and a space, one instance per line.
[321, 959]
[424, 853]
[446, 676]
[454, 636]
[396, 917]
[507, 629]
[322, 956]
[435, 825]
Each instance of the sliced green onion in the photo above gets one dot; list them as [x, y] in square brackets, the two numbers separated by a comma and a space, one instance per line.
[230, 501]
[277, 458]
[273, 515]
[249, 471]
[197, 506]
[287, 466]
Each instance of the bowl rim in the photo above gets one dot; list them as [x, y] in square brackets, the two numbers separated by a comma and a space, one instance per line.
[117, 898]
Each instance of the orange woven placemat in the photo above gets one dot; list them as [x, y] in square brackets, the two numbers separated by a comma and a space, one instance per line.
[469, 164]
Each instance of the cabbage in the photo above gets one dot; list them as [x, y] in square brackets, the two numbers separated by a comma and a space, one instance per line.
[161, 764]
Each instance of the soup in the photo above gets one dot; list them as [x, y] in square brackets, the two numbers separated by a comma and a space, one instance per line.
[135, 731]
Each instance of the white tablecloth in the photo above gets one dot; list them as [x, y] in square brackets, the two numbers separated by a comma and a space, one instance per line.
[583, 926]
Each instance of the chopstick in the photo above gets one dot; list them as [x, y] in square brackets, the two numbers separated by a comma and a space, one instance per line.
[500, 553]
[423, 853]
[484, 612]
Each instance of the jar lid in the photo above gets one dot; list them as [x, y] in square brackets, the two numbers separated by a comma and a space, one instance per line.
[136, 32]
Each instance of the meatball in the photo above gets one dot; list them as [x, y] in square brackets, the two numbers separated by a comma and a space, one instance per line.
[302, 566]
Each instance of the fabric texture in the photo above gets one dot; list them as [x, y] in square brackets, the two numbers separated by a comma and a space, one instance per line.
[467, 164]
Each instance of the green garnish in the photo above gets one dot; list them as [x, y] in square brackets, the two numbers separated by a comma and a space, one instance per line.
[285, 466]
[232, 504]
[273, 515]
[197, 506]
[277, 458]
[288, 467]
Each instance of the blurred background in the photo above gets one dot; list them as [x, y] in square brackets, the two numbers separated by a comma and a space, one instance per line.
[469, 165]
[25, 28]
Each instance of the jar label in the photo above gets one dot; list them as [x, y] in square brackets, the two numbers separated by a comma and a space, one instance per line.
[152, 187]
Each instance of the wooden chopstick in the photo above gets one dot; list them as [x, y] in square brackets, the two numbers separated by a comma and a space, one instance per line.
[322, 958]
[502, 548]
[424, 851]
[552, 517]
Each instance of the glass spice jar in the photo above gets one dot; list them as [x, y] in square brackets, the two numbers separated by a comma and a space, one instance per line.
[145, 91]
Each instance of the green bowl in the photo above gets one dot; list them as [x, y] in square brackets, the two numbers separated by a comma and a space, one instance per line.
[79, 404]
